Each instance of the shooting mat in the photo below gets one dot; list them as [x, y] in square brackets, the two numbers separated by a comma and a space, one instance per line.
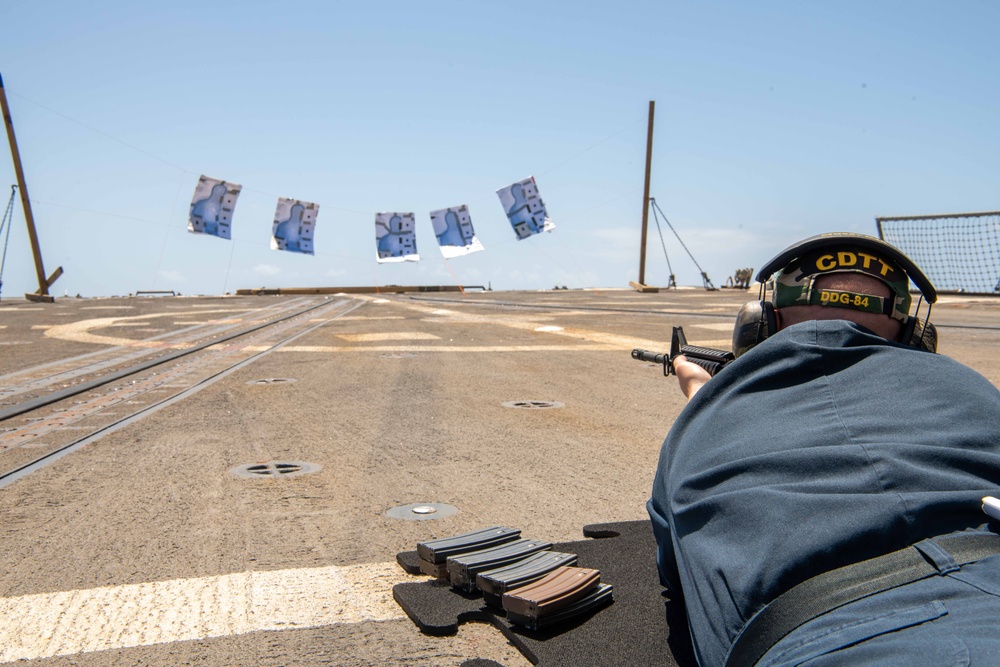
[634, 630]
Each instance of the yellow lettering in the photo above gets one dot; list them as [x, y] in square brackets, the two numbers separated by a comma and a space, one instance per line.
[885, 267]
[846, 259]
[825, 262]
[842, 298]
[867, 259]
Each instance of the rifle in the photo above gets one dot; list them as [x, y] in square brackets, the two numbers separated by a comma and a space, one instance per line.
[710, 359]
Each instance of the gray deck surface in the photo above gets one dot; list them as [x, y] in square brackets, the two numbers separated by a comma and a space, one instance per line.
[136, 544]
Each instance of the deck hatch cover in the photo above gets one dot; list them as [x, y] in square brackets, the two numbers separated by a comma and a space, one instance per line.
[534, 405]
[274, 469]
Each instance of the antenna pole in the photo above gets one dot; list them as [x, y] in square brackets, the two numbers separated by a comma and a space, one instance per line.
[43, 283]
[645, 195]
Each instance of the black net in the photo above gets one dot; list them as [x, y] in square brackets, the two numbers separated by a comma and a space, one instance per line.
[958, 253]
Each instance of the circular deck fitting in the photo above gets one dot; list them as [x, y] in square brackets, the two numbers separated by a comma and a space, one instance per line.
[272, 381]
[534, 405]
[275, 469]
[422, 511]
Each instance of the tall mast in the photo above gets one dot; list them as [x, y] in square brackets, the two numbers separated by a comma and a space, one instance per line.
[43, 283]
[645, 195]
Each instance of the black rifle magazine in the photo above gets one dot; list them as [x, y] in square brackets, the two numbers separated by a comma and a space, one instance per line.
[438, 551]
[437, 570]
[598, 597]
[463, 569]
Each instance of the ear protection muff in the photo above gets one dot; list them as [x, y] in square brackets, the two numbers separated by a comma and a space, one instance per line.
[756, 320]
[921, 335]
[754, 323]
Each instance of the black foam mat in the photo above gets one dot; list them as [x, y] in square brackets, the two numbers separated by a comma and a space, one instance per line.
[634, 630]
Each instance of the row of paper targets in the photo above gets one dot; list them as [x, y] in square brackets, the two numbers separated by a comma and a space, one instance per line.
[214, 202]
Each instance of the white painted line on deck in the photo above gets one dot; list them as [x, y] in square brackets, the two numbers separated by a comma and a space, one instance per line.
[116, 617]
[81, 332]
[610, 341]
[695, 311]
[356, 318]
[387, 335]
[640, 301]
[436, 348]
[106, 307]
[717, 326]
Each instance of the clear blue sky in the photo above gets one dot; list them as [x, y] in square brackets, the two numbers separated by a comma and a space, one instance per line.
[774, 121]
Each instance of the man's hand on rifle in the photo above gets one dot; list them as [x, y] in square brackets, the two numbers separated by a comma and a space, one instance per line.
[693, 365]
[690, 376]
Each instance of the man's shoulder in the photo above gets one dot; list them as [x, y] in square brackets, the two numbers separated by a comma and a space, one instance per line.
[837, 337]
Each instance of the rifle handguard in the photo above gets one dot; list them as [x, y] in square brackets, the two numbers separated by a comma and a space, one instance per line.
[710, 359]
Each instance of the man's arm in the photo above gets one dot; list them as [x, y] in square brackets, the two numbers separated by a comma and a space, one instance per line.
[690, 376]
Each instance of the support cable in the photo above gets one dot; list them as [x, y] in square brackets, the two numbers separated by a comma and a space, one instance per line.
[8, 222]
[673, 278]
[705, 280]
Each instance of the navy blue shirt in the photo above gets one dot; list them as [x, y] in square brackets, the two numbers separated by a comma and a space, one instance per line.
[823, 446]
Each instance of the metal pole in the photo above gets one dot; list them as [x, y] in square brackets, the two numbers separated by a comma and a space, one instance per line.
[43, 284]
[645, 195]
